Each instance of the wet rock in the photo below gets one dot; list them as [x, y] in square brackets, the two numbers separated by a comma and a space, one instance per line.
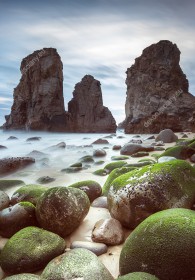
[33, 139]
[76, 264]
[45, 180]
[16, 217]
[136, 141]
[36, 154]
[100, 202]
[113, 165]
[97, 248]
[61, 145]
[100, 141]
[119, 157]
[62, 209]
[116, 147]
[30, 249]
[4, 200]
[166, 136]
[87, 159]
[136, 195]
[140, 154]
[108, 231]
[92, 189]
[172, 254]
[71, 169]
[11, 165]
[12, 138]
[99, 153]
[130, 149]
[2, 147]
[179, 152]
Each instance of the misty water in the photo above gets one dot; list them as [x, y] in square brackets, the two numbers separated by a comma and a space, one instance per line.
[54, 160]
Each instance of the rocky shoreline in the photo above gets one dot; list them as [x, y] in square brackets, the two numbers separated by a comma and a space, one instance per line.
[125, 210]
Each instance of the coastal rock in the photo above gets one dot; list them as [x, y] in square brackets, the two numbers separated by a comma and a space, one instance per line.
[76, 264]
[30, 249]
[86, 108]
[10, 165]
[4, 200]
[162, 245]
[99, 153]
[166, 136]
[134, 196]
[100, 202]
[157, 92]
[130, 149]
[62, 209]
[109, 232]
[38, 98]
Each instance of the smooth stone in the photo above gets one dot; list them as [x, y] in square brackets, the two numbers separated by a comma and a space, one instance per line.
[34, 139]
[96, 248]
[100, 141]
[165, 159]
[100, 202]
[130, 148]
[116, 147]
[4, 200]
[167, 136]
[12, 138]
[61, 145]
[45, 180]
[99, 153]
[2, 147]
[108, 231]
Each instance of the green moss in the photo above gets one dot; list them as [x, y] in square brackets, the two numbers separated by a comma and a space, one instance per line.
[151, 189]
[139, 164]
[77, 164]
[87, 159]
[27, 204]
[184, 141]
[5, 184]
[76, 264]
[100, 172]
[113, 165]
[119, 157]
[179, 152]
[113, 175]
[147, 159]
[99, 162]
[138, 276]
[28, 193]
[30, 249]
[71, 169]
[169, 246]
[23, 276]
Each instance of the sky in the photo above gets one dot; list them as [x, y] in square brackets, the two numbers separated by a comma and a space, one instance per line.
[97, 37]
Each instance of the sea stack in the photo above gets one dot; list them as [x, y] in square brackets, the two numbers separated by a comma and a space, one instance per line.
[158, 92]
[38, 98]
[86, 108]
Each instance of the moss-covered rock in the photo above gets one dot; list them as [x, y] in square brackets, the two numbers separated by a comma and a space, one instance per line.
[16, 217]
[30, 249]
[87, 159]
[99, 162]
[113, 165]
[91, 188]
[119, 157]
[5, 184]
[140, 154]
[100, 172]
[138, 276]
[62, 209]
[139, 164]
[76, 264]
[71, 169]
[29, 193]
[169, 246]
[77, 164]
[136, 195]
[113, 175]
[23, 276]
[147, 160]
[179, 152]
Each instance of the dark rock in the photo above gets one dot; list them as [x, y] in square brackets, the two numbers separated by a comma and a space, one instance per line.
[4, 200]
[12, 138]
[30, 249]
[10, 165]
[62, 209]
[140, 154]
[192, 159]
[157, 92]
[2, 147]
[86, 108]
[36, 154]
[99, 153]
[45, 180]
[60, 145]
[100, 141]
[97, 248]
[130, 149]
[136, 141]
[33, 139]
[87, 159]
[71, 169]
[116, 147]
[16, 217]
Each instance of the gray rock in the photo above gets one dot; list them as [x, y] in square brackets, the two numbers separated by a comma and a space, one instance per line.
[108, 231]
[96, 248]
[99, 153]
[166, 136]
[129, 149]
[100, 202]
[33, 139]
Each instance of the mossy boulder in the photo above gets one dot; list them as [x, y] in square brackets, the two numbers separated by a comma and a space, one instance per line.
[139, 164]
[77, 164]
[137, 194]
[138, 276]
[5, 184]
[163, 245]
[16, 217]
[62, 209]
[76, 264]
[30, 249]
[179, 152]
[113, 165]
[29, 193]
[100, 172]
[91, 188]
[23, 276]
[113, 175]
[71, 169]
[87, 159]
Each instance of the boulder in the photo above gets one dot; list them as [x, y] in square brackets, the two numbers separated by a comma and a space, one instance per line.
[137, 194]
[86, 108]
[130, 149]
[11, 165]
[99, 153]
[162, 245]
[166, 136]
[76, 264]
[62, 209]
[100, 141]
[29, 250]
[158, 92]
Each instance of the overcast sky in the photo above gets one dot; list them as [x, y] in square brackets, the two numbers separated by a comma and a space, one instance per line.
[97, 37]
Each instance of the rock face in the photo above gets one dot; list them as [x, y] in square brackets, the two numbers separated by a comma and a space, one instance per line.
[157, 92]
[86, 108]
[38, 98]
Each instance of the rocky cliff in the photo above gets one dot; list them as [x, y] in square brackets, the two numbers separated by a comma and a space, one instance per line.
[157, 92]
[86, 108]
[39, 103]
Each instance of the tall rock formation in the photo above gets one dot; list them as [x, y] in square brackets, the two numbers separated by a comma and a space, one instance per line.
[157, 92]
[86, 108]
[38, 98]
